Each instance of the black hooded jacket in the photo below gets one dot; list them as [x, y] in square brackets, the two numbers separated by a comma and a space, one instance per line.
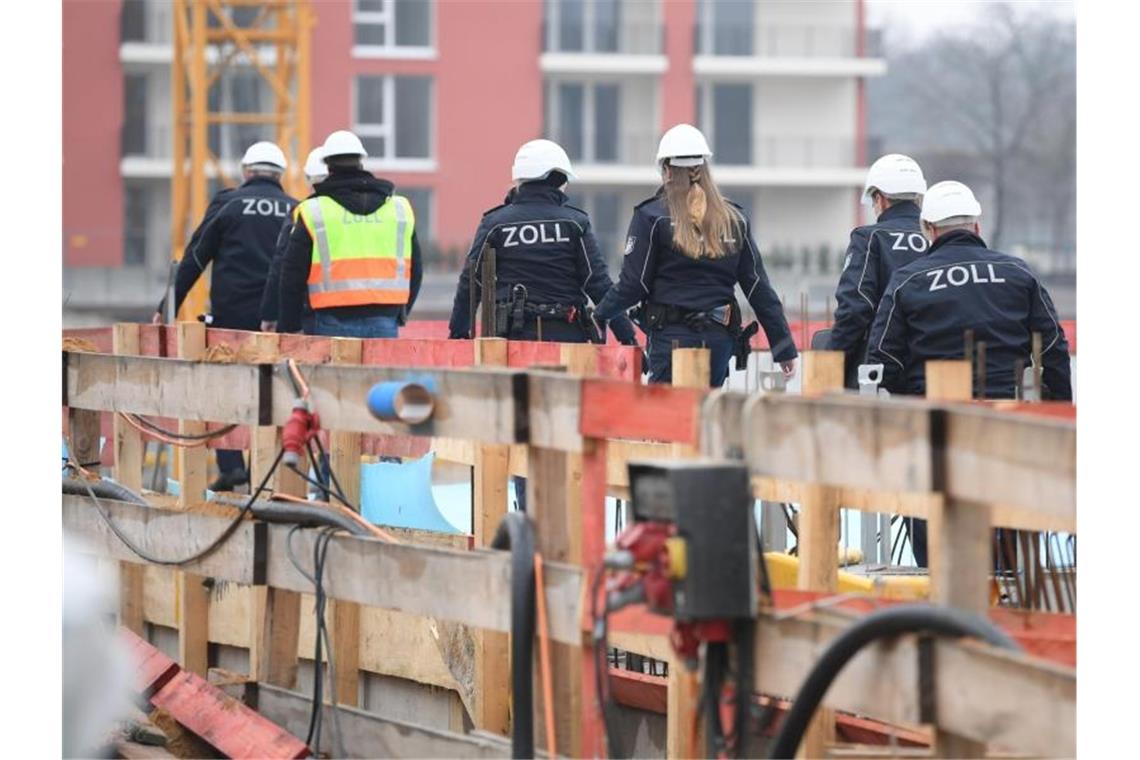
[360, 193]
[237, 234]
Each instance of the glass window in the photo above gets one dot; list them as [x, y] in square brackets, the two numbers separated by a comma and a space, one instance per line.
[135, 227]
[413, 117]
[371, 34]
[606, 119]
[571, 25]
[392, 24]
[571, 112]
[132, 22]
[413, 23]
[732, 123]
[370, 100]
[607, 25]
[133, 134]
[606, 210]
[725, 27]
[394, 116]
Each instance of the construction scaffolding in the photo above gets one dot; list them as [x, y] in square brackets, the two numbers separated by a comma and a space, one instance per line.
[211, 37]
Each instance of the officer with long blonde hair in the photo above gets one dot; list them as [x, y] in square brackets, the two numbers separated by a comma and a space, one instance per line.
[687, 249]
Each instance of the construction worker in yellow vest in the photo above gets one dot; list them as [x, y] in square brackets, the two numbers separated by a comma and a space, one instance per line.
[353, 249]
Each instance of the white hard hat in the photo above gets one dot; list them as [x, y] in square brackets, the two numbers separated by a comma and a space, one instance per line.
[894, 174]
[315, 164]
[538, 158]
[949, 199]
[264, 152]
[683, 145]
[343, 143]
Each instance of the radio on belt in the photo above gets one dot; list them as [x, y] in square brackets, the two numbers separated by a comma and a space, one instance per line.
[708, 506]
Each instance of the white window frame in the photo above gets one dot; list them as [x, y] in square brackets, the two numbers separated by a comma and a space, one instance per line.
[589, 136]
[387, 129]
[589, 11]
[387, 17]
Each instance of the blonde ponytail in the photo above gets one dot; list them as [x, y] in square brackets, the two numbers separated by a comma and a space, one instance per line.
[702, 220]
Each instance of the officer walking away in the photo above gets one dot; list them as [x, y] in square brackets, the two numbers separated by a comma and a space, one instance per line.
[547, 261]
[686, 251]
[354, 252]
[315, 172]
[962, 285]
[894, 189]
[237, 234]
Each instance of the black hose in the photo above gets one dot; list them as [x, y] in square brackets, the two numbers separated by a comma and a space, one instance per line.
[883, 624]
[292, 512]
[516, 532]
[106, 489]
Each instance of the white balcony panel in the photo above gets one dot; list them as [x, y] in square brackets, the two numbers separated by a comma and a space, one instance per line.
[602, 63]
[749, 67]
[163, 53]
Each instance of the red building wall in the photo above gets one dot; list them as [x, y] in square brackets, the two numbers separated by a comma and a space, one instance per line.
[487, 99]
[92, 116]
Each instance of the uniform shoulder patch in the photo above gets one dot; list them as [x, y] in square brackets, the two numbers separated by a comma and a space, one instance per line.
[630, 242]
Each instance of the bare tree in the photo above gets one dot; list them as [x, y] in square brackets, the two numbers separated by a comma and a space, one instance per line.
[995, 102]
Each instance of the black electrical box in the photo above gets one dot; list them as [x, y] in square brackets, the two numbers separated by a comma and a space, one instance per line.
[711, 504]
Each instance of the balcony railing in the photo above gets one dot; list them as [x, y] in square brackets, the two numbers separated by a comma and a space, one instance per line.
[789, 152]
[782, 41]
[627, 38]
[228, 141]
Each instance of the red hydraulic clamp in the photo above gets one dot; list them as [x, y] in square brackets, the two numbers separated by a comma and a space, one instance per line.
[303, 424]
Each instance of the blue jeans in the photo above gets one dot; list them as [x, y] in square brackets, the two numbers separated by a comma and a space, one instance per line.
[361, 327]
[716, 339]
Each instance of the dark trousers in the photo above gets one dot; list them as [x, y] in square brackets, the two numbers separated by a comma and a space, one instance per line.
[715, 338]
[229, 460]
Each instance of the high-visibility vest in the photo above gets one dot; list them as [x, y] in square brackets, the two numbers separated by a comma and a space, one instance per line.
[359, 260]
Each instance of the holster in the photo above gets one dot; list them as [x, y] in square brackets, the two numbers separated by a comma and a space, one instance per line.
[594, 332]
[742, 343]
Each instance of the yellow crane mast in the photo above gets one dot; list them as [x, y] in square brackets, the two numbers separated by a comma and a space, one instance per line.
[208, 40]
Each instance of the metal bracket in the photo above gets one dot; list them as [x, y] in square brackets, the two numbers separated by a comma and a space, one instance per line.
[927, 684]
[870, 376]
[265, 394]
[260, 553]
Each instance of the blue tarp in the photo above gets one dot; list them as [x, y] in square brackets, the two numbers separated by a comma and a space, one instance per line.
[401, 495]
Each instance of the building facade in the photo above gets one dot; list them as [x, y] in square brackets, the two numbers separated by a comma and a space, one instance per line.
[443, 92]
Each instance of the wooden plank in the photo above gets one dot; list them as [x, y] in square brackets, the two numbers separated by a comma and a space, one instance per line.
[165, 533]
[164, 387]
[84, 431]
[344, 453]
[949, 380]
[223, 721]
[553, 502]
[128, 472]
[818, 571]
[469, 587]
[612, 409]
[190, 589]
[473, 404]
[368, 735]
[1012, 459]
[491, 472]
[839, 441]
[1012, 700]
[265, 439]
[821, 372]
[863, 499]
[554, 402]
[193, 622]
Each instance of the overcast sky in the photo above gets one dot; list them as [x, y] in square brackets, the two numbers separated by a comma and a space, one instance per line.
[918, 18]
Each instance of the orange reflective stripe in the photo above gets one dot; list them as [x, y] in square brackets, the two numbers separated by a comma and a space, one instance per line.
[357, 298]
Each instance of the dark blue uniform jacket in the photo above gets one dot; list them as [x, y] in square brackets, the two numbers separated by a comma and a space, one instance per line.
[959, 285]
[238, 234]
[654, 271]
[874, 253]
[546, 245]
